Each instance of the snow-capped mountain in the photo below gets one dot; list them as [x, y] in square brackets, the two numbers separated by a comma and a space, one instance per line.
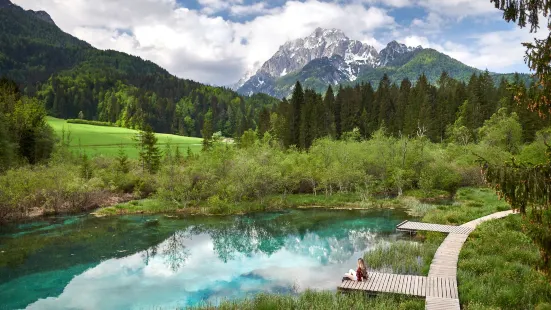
[294, 55]
[327, 55]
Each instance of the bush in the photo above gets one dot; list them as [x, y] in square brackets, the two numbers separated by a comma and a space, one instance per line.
[94, 123]
[47, 189]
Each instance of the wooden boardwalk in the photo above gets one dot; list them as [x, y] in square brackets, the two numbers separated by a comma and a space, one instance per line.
[415, 226]
[417, 286]
[440, 287]
[390, 283]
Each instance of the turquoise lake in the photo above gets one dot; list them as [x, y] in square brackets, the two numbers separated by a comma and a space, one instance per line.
[162, 262]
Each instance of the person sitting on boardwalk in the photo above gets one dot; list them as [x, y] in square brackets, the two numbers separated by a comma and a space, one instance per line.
[360, 274]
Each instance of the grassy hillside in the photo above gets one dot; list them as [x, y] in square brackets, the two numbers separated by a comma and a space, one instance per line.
[99, 140]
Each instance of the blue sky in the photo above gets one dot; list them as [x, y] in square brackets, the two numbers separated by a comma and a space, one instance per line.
[218, 41]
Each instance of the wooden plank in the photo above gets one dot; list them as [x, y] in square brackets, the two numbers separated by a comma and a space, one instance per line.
[400, 284]
[374, 282]
[397, 284]
[404, 289]
[448, 288]
[386, 283]
[415, 286]
[377, 283]
[347, 284]
[380, 283]
[390, 283]
[454, 289]
[407, 285]
[394, 283]
[369, 282]
[377, 287]
[344, 284]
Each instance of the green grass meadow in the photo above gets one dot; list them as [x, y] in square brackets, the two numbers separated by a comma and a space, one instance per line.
[101, 140]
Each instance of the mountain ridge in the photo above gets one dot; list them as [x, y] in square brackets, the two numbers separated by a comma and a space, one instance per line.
[73, 78]
[333, 66]
[42, 15]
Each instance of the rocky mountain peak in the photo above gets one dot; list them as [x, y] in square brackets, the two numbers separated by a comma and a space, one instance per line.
[393, 51]
[327, 55]
[294, 55]
[43, 16]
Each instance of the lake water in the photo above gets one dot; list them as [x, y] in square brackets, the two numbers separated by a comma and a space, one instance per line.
[158, 262]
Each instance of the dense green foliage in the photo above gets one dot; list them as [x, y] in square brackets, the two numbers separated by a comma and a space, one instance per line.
[150, 155]
[25, 137]
[454, 111]
[526, 185]
[87, 122]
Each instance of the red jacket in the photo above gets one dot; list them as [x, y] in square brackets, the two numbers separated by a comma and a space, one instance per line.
[359, 274]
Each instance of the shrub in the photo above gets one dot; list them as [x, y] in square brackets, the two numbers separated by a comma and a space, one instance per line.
[94, 123]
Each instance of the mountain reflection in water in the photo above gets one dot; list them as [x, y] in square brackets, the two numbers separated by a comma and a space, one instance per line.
[160, 262]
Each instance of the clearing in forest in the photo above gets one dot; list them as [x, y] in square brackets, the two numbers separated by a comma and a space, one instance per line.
[102, 140]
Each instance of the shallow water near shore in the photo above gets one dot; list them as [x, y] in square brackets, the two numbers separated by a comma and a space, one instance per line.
[146, 262]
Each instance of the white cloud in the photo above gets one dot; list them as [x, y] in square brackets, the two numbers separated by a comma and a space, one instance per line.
[253, 9]
[496, 51]
[433, 23]
[214, 6]
[390, 3]
[197, 45]
[459, 8]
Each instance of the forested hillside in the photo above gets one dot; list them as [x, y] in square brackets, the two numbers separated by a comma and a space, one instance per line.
[71, 76]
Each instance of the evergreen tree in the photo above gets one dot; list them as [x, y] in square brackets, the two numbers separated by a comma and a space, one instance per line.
[263, 122]
[150, 154]
[85, 167]
[123, 165]
[207, 131]
[297, 102]
[368, 104]
[402, 105]
[337, 111]
[329, 113]
[384, 101]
